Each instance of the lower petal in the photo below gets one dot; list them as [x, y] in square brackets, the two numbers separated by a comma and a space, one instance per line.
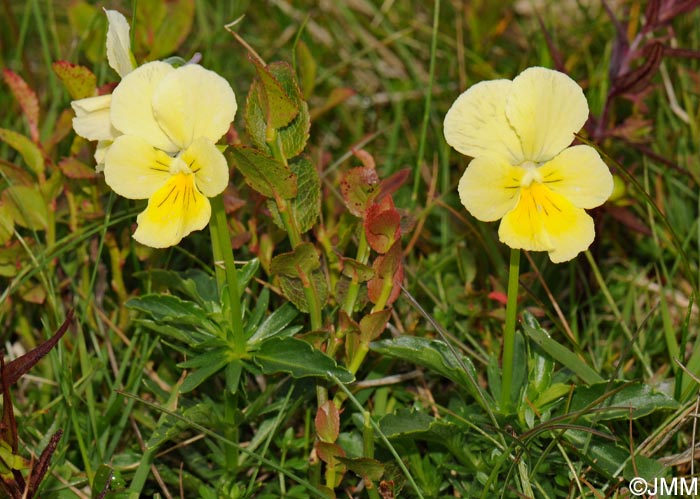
[173, 212]
[546, 221]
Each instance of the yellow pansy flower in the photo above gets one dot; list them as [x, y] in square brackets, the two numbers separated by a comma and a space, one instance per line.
[524, 172]
[169, 121]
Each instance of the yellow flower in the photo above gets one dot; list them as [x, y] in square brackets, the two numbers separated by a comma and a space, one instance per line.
[92, 116]
[523, 171]
[169, 121]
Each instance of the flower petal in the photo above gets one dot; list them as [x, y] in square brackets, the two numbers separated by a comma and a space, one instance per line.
[100, 154]
[118, 43]
[579, 174]
[546, 108]
[174, 211]
[546, 221]
[194, 102]
[476, 124]
[132, 107]
[134, 169]
[92, 120]
[209, 166]
[489, 188]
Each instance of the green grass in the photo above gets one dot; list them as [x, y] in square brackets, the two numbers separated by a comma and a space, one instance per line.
[625, 312]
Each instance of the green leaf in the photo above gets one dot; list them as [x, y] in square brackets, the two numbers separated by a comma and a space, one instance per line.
[277, 106]
[275, 324]
[78, 80]
[370, 470]
[432, 354]
[172, 30]
[7, 223]
[27, 206]
[263, 173]
[293, 289]
[207, 365]
[298, 358]
[626, 401]
[293, 136]
[306, 67]
[164, 308]
[606, 457]
[297, 263]
[307, 203]
[29, 151]
[561, 354]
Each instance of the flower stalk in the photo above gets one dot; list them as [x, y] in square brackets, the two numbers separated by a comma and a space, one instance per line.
[509, 333]
[226, 273]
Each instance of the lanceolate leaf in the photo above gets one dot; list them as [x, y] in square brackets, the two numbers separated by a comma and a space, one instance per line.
[12, 371]
[263, 173]
[29, 151]
[298, 358]
[27, 99]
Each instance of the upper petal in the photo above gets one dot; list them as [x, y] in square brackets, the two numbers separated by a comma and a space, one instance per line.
[489, 188]
[476, 124]
[134, 169]
[194, 102]
[546, 108]
[132, 106]
[546, 221]
[118, 43]
[92, 120]
[173, 211]
[208, 165]
[579, 174]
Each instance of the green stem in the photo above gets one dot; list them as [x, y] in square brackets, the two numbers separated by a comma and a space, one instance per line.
[221, 246]
[291, 225]
[509, 333]
[354, 287]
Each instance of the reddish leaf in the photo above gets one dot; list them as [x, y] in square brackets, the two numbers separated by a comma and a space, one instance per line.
[78, 80]
[14, 370]
[637, 79]
[327, 422]
[382, 225]
[72, 168]
[336, 97]
[389, 270]
[42, 465]
[27, 99]
[8, 430]
[390, 185]
[359, 187]
[328, 452]
[373, 325]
